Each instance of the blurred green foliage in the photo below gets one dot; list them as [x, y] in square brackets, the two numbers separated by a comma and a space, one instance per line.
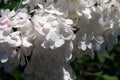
[16, 74]
[104, 66]
[11, 4]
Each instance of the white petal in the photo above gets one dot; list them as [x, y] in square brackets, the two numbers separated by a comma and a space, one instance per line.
[5, 12]
[68, 36]
[71, 45]
[68, 21]
[41, 6]
[47, 44]
[12, 42]
[54, 23]
[52, 35]
[4, 60]
[15, 33]
[1, 35]
[94, 8]
[89, 45]
[11, 14]
[87, 12]
[25, 2]
[46, 25]
[99, 39]
[22, 15]
[83, 46]
[24, 10]
[79, 13]
[26, 43]
[40, 30]
[14, 53]
[69, 58]
[59, 43]
[54, 12]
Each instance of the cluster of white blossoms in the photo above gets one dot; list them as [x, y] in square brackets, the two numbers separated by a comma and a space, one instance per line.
[53, 32]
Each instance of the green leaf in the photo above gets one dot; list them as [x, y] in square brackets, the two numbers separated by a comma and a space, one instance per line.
[101, 58]
[107, 77]
[98, 73]
[16, 74]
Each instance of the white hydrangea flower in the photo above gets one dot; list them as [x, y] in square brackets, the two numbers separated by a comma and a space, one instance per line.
[55, 28]
[54, 32]
[5, 25]
[13, 32]
[103, 29]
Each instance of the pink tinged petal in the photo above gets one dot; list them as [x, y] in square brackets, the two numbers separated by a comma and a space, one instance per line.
[59, 42]
[40, 30]
[4, 21]
[46, 31]
[53, 29]
[36, 23]
[13, 22]
[51, 17]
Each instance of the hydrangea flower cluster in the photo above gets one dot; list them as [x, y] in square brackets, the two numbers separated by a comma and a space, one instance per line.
[53, 32]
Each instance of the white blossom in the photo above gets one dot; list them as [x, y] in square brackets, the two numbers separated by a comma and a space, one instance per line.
[56, 29]
[53, 32]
